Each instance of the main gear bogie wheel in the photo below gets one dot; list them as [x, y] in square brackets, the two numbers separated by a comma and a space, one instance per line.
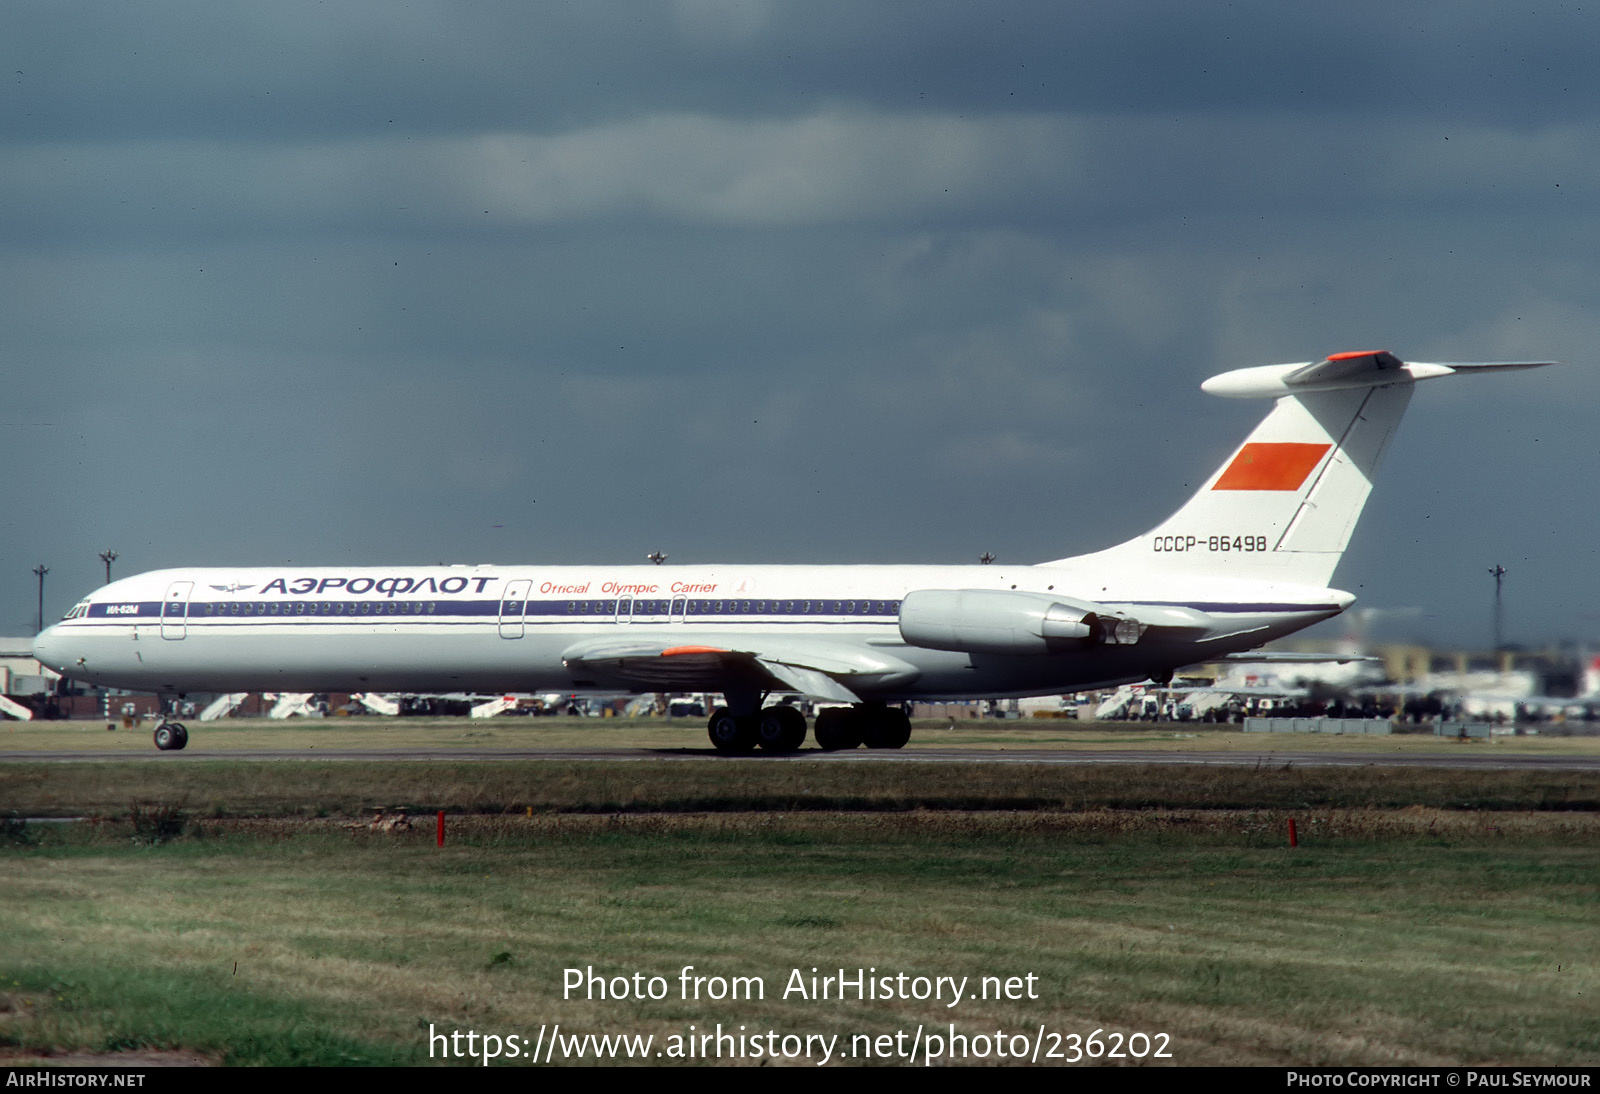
[730, 735]
[837, 728]
[887, 727]
[781, 729]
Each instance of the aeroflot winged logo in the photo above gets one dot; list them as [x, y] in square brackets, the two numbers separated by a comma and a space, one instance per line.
[1279, 465]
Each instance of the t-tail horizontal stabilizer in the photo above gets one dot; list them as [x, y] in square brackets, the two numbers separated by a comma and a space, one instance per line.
[1283, 506]
[1342, 372]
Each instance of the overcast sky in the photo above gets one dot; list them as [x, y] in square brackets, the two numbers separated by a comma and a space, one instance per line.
[383, 282]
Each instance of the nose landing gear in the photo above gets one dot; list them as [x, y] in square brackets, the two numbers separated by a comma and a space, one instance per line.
[171, 736]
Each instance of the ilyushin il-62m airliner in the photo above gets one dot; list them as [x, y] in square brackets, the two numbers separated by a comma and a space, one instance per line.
[1247, 560]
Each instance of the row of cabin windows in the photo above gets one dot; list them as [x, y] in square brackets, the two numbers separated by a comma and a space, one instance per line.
[315, 607]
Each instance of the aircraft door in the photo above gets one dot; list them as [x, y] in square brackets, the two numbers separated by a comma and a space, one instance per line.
[625, 609]
[514, 606]
[678, 605]
[175, 610]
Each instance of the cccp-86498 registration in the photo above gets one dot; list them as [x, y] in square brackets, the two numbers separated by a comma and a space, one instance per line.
[1219, 543]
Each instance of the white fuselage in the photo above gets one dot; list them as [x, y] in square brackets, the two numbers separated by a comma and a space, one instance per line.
[508, 628]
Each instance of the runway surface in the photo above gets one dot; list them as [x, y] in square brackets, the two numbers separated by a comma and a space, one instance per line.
[1464, 759]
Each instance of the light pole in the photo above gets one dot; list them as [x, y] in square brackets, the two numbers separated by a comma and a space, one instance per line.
[41, 570]
[108, 557]
[1499, 573]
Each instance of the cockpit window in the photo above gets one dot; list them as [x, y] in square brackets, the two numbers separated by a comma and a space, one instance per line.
[79, 610]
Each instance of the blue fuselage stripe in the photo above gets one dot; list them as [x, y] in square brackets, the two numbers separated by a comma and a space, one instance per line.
[533, 612]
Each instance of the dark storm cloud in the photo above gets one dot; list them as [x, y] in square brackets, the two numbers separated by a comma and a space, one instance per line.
[318, 71]
[778, 281]
[1043, 173]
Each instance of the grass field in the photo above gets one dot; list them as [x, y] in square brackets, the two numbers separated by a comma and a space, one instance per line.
[1427, 917]
[17, 739]
[1414, 937]
[311, 788]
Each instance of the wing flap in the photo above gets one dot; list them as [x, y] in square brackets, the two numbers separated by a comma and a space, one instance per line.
[810, 682]
[818, 669]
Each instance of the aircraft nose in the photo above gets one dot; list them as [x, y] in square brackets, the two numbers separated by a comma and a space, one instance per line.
[50, 648]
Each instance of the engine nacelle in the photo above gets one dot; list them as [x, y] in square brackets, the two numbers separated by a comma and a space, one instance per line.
[1001, 621]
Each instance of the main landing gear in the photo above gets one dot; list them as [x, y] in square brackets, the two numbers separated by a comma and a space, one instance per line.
[775, 729]
[869, 724]
[171, 736]
[783, 729]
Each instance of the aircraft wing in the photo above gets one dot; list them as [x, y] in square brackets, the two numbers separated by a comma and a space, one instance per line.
[815, 668]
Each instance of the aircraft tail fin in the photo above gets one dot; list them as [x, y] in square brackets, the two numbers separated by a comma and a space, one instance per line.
[1283, 505]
